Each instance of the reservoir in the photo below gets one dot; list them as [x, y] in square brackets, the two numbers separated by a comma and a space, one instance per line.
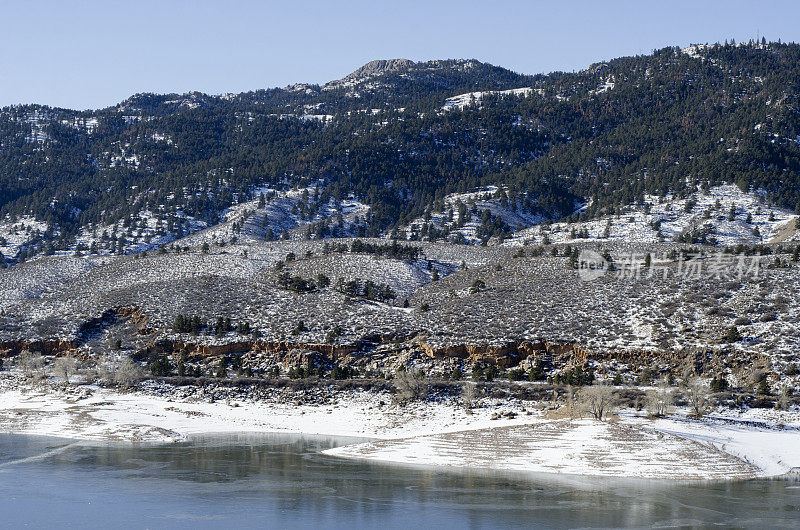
[281, 481]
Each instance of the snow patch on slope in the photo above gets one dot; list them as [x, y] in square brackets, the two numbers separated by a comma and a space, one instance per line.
[477, 201]
[16, 234]
[753, 221]
[463, 100]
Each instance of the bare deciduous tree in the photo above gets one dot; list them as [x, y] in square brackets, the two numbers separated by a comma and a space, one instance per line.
[65, 367]
[410, 384]
[128, 373]
[469, 394]
[121, 372]
[598, 401]
[32, 364]
[783, 402]
[659, 401]
[697, 396]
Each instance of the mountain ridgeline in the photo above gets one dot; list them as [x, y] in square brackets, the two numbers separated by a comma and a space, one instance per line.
[666, 122]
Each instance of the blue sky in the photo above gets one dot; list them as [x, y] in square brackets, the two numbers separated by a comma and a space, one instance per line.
[93, 54]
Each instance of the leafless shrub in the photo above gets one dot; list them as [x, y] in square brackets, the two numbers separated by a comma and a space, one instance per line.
[105, 372]
[121, 372]
[659, 400]
[469, 394]
[598, 401]
[32, 364]
[65, 367]
[783, 402]
[768, 317]
[782, 300]
[410, 385]
[697, 396]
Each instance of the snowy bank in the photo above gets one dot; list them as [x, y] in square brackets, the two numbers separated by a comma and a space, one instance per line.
[580, 447]
[728, 445]
[95, 413]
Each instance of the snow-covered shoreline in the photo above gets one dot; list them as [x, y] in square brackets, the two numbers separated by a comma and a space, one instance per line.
[154, 415]
[727, 445]
[720, 447]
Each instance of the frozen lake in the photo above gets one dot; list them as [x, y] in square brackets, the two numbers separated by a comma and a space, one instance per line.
[266, 481]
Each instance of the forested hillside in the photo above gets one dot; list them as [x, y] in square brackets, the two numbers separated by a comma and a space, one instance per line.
[387, 137]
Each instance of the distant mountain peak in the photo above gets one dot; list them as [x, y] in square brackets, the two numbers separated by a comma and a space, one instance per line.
[374, 69]
[380, 67]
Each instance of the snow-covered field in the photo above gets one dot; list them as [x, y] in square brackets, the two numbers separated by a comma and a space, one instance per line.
[580, 447]
[767, 440]
[724, 445]
[167, 414]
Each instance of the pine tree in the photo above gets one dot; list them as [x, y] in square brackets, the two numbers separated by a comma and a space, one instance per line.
[733, 335]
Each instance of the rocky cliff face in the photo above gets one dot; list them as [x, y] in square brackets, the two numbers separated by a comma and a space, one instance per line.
[381, 347]
[197, 351]
[379, 67]
[45, 347]
[505, 355]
